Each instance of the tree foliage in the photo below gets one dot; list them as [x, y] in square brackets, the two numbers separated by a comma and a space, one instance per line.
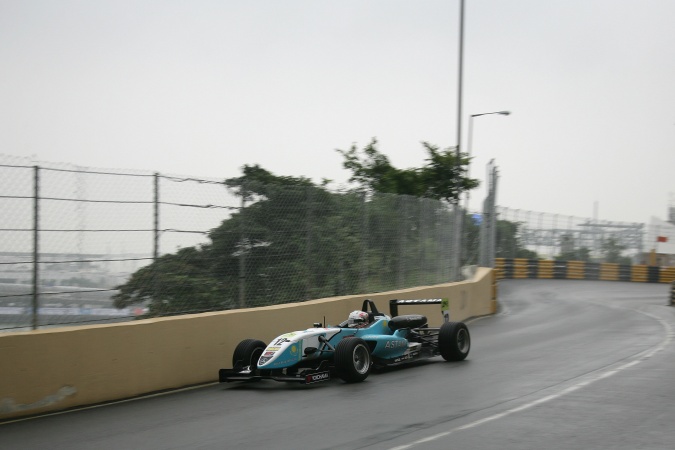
[579, 254]
[294, 240]
[443, 177]
[509, 243]
[611, 249]
[175, 284]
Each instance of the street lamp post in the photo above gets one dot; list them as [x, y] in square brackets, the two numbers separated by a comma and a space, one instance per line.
[470, 142]
[457, 238]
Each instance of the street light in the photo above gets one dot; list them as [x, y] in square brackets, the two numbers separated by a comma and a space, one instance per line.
[469, 143]
[457, 238]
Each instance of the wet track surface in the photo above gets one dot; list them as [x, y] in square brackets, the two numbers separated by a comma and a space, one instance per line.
[565, 364]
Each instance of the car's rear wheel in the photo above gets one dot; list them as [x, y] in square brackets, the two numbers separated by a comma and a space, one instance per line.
[454, 341]
[247, 353]
[352, 360]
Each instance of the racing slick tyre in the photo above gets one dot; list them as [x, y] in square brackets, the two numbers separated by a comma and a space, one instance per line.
[454, 341]
[352, 360]
[247, 353]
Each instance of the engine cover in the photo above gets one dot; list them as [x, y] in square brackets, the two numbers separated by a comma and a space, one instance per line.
[407, 321]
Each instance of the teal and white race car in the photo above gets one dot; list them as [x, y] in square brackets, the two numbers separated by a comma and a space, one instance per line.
[350, 350]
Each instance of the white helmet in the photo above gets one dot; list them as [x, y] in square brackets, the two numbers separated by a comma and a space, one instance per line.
[358, 319]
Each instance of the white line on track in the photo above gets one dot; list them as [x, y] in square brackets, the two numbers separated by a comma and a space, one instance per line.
[585, 381]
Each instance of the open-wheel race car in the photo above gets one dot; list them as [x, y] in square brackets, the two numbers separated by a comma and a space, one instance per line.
[367, 339]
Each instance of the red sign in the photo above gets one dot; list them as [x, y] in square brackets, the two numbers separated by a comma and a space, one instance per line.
[661, 239]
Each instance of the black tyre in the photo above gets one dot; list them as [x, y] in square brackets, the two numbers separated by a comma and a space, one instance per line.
[454, 341]
[352, 360]
[247, 353]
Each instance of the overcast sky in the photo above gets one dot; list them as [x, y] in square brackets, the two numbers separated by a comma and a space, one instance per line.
[203, 87]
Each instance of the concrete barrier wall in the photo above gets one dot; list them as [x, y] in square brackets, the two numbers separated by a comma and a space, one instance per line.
[60, 368]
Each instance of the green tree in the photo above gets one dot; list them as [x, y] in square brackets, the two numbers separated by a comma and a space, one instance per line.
[580, 254]
[508, 243]
[443, 177]
[280, 234]
[611, 249]
[470, 240]
[174, 284]
[294, 240]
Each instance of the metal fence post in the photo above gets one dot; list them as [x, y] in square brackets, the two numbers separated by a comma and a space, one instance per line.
[442, 245]
[36, 245]
[488, 226]
[402, 236]
[242, 249]
[308, 249]
[456, 241]
[493, 207]
[155, 252]
[363, 285]
[483, 236]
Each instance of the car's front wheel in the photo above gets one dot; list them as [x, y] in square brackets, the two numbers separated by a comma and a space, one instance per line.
[352, 360]
[247, 353]
[454, 341]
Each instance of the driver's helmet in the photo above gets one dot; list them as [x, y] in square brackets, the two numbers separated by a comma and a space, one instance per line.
[358, 319]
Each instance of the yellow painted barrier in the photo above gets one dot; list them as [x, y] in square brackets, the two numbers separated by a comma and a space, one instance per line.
[609, 272]
[499, 268]
[639, 274]
[493, 303]
[521, 268]
[546, 269]
[576, 270]
[60, 368]
[667, 275]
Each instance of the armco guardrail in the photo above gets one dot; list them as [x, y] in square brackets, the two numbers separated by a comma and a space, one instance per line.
[581, 270]
[54, 369]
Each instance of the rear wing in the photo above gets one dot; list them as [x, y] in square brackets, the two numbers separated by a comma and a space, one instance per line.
[444, 302]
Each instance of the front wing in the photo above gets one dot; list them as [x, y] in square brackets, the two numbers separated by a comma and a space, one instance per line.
[303, 376]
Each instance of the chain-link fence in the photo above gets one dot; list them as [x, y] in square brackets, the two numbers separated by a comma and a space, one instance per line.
[537, 235]
[294, 243]
[69, 236]
[79, 245]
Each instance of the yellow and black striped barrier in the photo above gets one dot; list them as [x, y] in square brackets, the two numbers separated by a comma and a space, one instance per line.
[508, 268]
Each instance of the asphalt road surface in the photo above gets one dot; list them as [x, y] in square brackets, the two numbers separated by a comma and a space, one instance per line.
[564, 365]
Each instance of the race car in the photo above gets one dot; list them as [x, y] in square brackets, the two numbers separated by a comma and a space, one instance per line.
[367, 339]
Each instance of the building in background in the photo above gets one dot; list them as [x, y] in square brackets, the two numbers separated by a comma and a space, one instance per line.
[660, 242]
